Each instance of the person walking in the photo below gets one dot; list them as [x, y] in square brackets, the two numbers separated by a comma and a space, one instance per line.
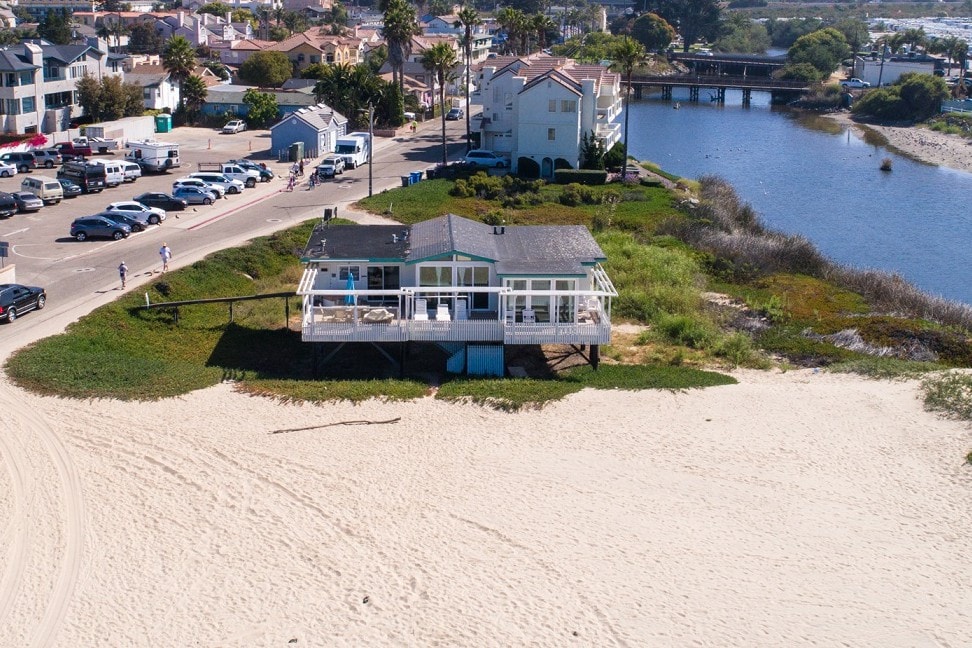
[300, 172]
[123, 273]
[166, 254]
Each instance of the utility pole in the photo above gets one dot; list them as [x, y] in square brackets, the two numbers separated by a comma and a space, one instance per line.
[371, 144]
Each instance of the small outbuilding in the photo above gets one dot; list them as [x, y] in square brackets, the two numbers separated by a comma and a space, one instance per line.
[318, 127]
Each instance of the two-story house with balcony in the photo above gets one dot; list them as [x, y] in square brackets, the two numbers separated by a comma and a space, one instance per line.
[537, 111]
[482, 40]
[38, 83]
[469, 287]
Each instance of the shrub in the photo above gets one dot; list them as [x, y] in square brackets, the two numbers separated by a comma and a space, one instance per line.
[614, 159]
[581, 176]
[684, 329]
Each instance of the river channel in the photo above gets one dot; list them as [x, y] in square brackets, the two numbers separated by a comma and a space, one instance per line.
[808, 175]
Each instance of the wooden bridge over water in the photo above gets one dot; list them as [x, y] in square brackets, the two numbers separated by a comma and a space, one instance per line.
[780, 89]
[721, 71]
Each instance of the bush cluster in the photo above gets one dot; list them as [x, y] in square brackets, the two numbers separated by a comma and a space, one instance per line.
[507, 189]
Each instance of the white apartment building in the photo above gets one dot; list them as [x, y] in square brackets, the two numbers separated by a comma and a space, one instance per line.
[38, 83]
[537, 111]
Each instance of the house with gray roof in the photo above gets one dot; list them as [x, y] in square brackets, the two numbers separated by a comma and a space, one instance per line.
[228, 99]
[317, 126]
[458, 282]
[38, 83]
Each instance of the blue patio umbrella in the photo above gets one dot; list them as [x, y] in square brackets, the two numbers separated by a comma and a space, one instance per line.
[349, 299]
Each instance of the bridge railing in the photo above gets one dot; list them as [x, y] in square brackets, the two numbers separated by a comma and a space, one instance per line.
[719, 81]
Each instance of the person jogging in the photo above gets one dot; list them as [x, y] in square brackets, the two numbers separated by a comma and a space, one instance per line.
[123, 274]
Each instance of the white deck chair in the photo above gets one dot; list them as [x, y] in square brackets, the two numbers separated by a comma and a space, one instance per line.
[529, 316]
[510, 317]
[421, 310]
[442, 313]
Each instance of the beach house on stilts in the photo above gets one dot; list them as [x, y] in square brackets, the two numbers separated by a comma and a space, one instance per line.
[469, 287]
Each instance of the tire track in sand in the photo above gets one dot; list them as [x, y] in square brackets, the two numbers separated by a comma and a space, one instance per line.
[17, 527]
[72, 514]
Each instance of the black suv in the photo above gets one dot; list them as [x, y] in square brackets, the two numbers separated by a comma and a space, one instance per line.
[16, 299]
[8, 204]
[24, 161]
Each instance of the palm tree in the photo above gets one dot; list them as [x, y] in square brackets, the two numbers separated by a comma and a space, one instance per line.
[193, 94]
[468, 19]
[628, 53]
[541, 24]
[399, 28]
[179, 60]
[440, 60]
[512, 21]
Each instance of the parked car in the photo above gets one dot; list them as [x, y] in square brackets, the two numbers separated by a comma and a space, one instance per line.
[27, 202]
[235, 126]
[7, 170]
[194, 195]
[266, 175]
[23, 160]
[330, 167]
[484, 158]
[161, 200]
[231, 185]
[153, 215]
[97, 225]
[16, 299]
[47, 158]
[132, 220]
[455, 114]
[854, 83]
[216, 190]
[8, 204]
[71, 188]
[48, 189]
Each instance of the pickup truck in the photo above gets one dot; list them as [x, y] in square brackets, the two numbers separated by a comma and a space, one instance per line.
[71, 150]
[854, 83]
[97, 144]
[248, 177]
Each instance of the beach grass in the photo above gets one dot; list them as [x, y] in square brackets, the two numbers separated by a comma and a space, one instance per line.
[950, 394]
[513, 394]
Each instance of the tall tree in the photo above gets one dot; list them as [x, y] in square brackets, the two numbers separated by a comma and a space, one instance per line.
[627, 55]
[263, 108]
[399, 28]
[694, 19]
[144, 39]
[55, 26]
[468, 20]
[823, 49]
[179, 60]
[267, 69]
[440, 60]
[653, 31]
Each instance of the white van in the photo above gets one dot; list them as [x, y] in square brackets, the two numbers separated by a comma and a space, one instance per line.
[47, 189]
[114, 172]
[132, 171]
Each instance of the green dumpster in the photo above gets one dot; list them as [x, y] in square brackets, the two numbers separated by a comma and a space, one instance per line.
[163, 123]
[296, 152]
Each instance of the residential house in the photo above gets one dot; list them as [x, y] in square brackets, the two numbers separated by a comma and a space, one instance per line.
[312, 47]
[228, 99]
[236, 52]
[318, 127]
[537, 110]
[303, 6]
[39, 8]
[482, 40]
[159, 89]
[419, 81]
[38, 82]
[456, 282]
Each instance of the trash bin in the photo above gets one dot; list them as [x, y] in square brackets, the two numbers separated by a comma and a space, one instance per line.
[163, 123]
[296, 152]
[406, 180]
[416, 176]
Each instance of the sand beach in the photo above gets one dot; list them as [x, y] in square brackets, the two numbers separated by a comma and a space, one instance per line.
[798, 508]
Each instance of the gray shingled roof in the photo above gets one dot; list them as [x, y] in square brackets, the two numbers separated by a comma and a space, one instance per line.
[233, 94]
[516, 249]
[65, 53]
[14, 61]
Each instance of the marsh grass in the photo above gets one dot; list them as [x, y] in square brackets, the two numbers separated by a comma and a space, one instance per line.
[950, 394]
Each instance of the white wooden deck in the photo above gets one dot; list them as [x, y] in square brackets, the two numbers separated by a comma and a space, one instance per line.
[352, 324]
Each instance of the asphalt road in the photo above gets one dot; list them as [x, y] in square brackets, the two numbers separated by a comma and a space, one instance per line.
[79, 276]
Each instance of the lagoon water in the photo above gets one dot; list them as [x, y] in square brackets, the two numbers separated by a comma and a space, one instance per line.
[808, 175]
